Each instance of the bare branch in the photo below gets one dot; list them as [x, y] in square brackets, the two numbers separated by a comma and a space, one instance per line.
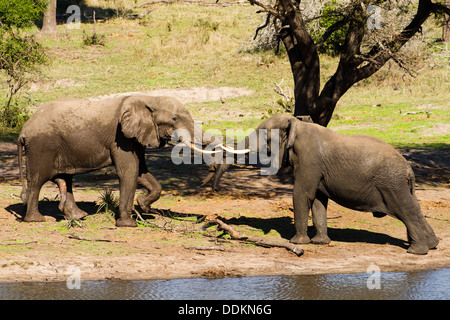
[266, 23]
[440, 8]
[267, 9]
[235, 235]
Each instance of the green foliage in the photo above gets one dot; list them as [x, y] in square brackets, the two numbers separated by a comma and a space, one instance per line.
[281, 106]
[20, 14]
[330, 15]
[94, 40]
[108, 203]
[74, 223]
[20, 55]
[15, 116]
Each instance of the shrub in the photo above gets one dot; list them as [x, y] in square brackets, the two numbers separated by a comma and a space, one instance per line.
[20, 54]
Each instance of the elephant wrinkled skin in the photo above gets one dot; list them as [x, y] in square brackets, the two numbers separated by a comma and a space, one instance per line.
[73, 136]
[359, 172]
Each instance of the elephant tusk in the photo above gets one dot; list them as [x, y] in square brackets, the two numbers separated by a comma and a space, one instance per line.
[244, 151]
[193, 147]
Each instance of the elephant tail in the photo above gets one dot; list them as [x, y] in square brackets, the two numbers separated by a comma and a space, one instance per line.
[411, 181]
[20, 145]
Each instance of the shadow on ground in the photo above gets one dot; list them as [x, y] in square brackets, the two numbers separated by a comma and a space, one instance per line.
[50, 209]
[284, 226]
[431, 167]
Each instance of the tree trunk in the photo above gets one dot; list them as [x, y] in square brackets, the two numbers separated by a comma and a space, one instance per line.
[49, 23]
[353, 65]
[446, 27]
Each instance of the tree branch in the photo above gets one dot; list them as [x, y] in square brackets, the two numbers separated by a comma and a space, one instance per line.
[267, 9]
[235, 235]
[336, 26]
[382, 52]
[440, 8]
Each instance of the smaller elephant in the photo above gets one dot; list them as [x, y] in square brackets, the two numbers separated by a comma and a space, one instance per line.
[358, 172]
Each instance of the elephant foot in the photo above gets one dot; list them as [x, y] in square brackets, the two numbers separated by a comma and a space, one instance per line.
[34, 217]
[432, 242]
[144, 205]
[126, 222]
[416, 248]
[73, 212]
[322, 239]
[298, 239]
[78, 215]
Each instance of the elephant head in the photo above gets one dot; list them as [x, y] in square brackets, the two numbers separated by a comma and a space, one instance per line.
[275, 135]
[156, 120]
[153, 120]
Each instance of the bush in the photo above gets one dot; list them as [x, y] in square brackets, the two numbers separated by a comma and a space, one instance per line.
[20, 54]
[94, 40]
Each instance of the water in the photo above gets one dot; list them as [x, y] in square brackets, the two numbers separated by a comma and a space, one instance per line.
[424, 285]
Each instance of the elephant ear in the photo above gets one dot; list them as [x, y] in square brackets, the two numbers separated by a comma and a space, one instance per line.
[291, 132]
[136, 120]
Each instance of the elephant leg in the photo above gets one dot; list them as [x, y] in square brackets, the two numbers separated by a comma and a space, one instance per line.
[146, 180]
[33, 214]
[67, 203]
[38, 173]
[302, 204]
[61, 183]
[319, 217]
[154, 188]
[127, 168]
[402, 205]
[432, 240]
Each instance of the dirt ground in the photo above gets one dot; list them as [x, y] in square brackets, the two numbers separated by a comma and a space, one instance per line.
[180, 248]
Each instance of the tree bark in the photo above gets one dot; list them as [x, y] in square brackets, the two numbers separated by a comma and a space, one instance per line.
[446, 27]
[49, 22]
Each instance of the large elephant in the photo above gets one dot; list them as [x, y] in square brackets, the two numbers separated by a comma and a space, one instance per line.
[73, 136]
[359, 172]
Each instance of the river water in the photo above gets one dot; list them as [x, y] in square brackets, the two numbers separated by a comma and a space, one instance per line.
[424, 285]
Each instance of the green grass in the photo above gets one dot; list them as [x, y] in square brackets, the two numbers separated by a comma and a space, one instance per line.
[176, 48]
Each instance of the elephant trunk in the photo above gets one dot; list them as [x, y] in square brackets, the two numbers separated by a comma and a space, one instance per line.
[219, 173]
[216, 171]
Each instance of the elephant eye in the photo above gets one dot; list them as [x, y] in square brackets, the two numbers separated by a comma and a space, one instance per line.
[174, 118]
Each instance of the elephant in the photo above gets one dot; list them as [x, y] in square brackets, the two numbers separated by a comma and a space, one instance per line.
[69, 136]
[359, 172]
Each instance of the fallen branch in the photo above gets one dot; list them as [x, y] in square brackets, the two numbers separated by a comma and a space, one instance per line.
[76, 237]
[18, 243]
[437, 218]
[212, 248]
[235, 235]
[417, 112]
[165, 222]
